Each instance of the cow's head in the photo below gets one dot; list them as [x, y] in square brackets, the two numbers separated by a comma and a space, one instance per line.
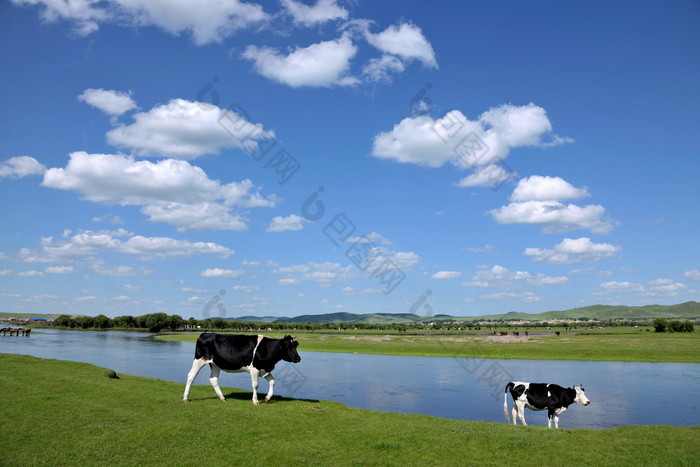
[289, 350]
[581, 396]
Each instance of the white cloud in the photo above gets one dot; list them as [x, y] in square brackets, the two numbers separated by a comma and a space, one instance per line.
[539, 188]
[525, 297]
[21, 166]
[111, 218]
[446, 275]
[323, 64]
[320, 12]
[185, 130]
[501, 277]
[554, 216]
[569, 250]
[693, 274]
[85, 14]
[246, 288]
[665, 288]
[594, 271]
[92, 243]
[206, 22]
[497, 276]
[324, 274]
[487, 176]
[616, 286]
[98, 266]
[429, 142]
[372, 237]
[87, 298]
[224, 273]
[541, 279]
[373, 256]
[405, 40]
[31, 273]
[60, 269]
[169, 190]
[483, 249]
[195, 216]
[110, 102]
[536, 200]
[652, 289]
[282, 224]
[413, 141]
[379, 69]
[351, 292]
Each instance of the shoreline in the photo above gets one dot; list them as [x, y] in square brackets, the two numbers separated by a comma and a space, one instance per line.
[620, 346]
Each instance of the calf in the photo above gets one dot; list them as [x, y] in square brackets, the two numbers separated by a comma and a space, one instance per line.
[257, 355]
[541, 396]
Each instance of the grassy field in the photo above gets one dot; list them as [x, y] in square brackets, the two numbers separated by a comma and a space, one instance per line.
[66, 413]
[612, 344]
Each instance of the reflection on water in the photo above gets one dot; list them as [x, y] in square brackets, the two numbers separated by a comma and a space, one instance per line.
[621, 393]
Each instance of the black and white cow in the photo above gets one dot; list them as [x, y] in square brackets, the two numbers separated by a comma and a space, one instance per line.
[541, 396]
[257, 355]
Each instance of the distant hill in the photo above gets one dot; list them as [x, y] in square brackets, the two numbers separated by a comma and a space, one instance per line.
[687, 310]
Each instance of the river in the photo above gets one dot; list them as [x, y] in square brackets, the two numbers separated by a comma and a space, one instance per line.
[621, 393]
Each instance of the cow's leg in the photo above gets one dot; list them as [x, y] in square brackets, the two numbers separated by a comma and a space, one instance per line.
[271, 381]
[214, 380]
[514, 413]
[197, 365]
[556, 421]
[521, 412]
[254, 381]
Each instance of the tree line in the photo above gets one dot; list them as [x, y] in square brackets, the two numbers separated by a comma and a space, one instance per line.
[664, 325]
[156, 322]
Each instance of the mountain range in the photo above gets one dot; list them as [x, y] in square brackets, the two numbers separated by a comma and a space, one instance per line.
[687, 310]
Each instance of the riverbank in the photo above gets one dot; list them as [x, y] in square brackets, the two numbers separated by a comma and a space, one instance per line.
[66, 413]
[613, 344]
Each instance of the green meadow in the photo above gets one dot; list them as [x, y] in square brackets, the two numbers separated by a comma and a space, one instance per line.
[66, 413]
[612, 344]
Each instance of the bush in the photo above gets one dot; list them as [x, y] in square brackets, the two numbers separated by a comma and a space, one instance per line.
[664, 325]
[660, 324]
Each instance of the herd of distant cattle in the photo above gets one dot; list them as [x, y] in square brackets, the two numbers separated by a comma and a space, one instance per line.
[16, 331]
[258, 355]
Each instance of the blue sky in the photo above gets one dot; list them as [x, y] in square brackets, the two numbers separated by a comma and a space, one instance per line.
[285, 157]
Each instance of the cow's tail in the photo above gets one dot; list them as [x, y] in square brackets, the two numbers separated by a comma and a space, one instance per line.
[509, 386]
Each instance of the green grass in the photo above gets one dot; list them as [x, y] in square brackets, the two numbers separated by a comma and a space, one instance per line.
[66, 413]
[611, 344]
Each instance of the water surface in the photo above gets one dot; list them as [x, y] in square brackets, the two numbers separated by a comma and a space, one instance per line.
[621, 393]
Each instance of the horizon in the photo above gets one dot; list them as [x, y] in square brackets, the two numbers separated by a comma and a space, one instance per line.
[287, 158]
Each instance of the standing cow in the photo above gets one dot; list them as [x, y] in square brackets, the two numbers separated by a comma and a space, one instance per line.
[257, 355]
[541, 396]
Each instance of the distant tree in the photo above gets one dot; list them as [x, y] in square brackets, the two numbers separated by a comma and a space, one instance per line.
[63, 321]
[129, 321]
[681, 326]
[176, 322]
[86, 322]
[102, 322]
[660, 324]
[219, 323]
[157, 321]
